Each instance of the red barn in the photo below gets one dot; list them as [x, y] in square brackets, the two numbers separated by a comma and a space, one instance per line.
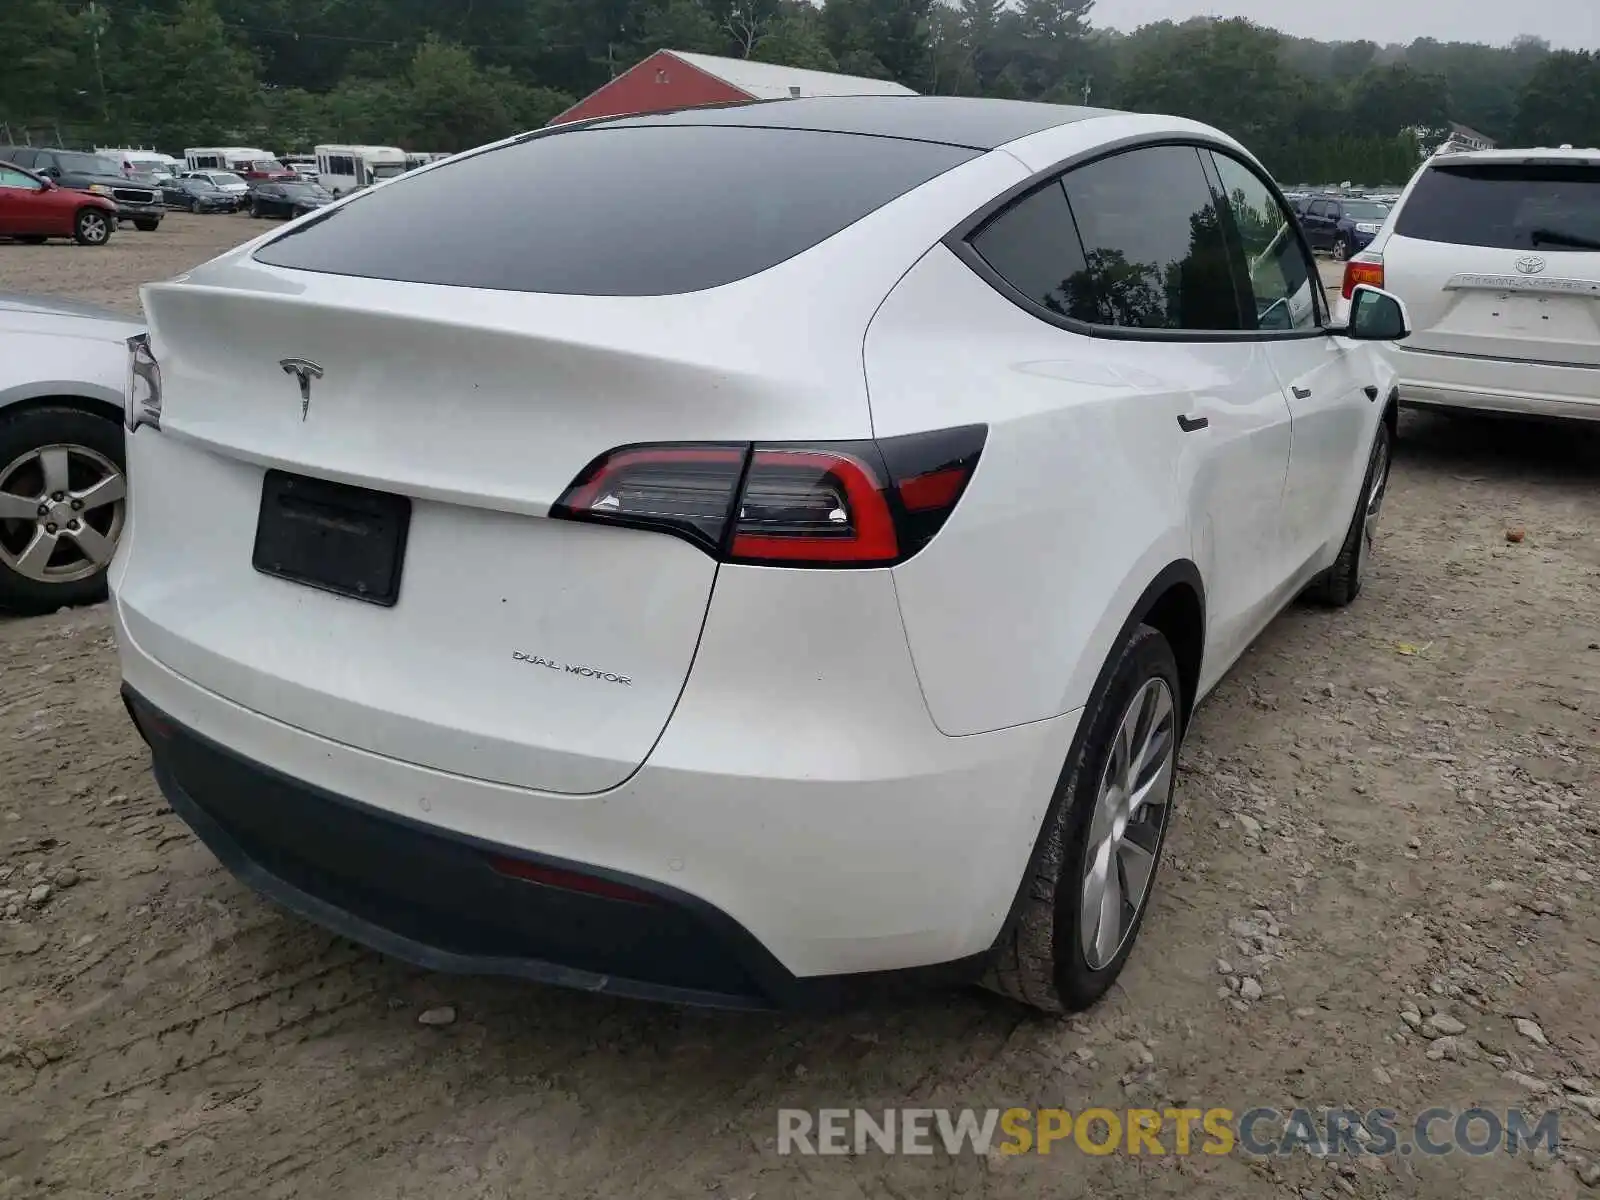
[676, 79]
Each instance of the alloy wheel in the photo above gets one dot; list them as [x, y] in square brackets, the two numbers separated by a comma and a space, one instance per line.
[61, 513]
[1130, 816]
[1372, 505]
[95, 228]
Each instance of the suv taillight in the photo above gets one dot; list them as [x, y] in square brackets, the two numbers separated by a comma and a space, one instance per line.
[1362, 269]
[141, 400]
[827, 504]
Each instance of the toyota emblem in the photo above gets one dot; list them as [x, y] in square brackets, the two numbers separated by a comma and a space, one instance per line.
[1530, 264]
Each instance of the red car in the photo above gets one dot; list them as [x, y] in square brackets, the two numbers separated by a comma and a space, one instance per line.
[33, 208]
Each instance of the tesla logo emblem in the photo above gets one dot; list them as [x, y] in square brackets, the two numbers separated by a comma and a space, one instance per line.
[1530, 264]
[305, 372]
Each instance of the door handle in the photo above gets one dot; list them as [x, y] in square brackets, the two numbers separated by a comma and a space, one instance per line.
[1191, 424]
[1301, 393]
[1371, 390]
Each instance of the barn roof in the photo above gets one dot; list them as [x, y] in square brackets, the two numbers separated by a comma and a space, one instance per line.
[768, 81]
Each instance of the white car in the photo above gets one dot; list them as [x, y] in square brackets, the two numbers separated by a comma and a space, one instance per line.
[223, 181]
[1496, 254]
[62, 387]
[802, 571]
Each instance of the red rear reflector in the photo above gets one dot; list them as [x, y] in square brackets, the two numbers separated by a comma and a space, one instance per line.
[1357, 273]
[938, 489]
[569, 881]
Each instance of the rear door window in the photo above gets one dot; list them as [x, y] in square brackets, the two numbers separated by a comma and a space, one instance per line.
[1134, 241]
[1513, 206]
[1153, 243]
[641, 211]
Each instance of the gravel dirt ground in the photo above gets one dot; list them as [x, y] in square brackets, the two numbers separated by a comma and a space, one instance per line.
[1388, 833]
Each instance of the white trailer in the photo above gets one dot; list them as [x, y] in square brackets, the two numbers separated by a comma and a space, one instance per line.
[141, 162]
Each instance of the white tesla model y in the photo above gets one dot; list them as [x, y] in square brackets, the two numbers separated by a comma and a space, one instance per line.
[764, 548]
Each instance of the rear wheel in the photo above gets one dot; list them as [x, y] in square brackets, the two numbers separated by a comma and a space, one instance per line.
[92, 227]
[1341, 583]
[62, 501]
[1089, 883]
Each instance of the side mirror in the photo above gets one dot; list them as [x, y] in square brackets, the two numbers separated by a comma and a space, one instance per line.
[1376, 316]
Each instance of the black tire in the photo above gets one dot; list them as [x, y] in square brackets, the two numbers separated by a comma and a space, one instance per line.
[255, 210]
[93, 227]
[147, 225]
[25, 431]
[1341, 248]
[194, 205]
[1040, 959]
[1341, 583]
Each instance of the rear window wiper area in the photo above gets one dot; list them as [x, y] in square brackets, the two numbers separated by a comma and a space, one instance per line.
[1555, 237]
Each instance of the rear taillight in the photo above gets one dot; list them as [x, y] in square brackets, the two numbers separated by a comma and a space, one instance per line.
[142, 390]
[830, 504]
[1363, 269]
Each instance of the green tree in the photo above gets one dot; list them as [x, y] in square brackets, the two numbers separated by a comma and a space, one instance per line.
[1560, 103]
[1227, 73]
[183, 79]
[1044, 43]
[891, 34]
[41, 46]
[681, 25]
[1387, 100]
[795, 39]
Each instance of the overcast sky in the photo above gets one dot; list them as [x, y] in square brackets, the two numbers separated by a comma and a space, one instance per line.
[1570, 24]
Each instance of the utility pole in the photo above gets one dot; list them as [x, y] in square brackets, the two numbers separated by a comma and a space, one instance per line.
[95, 27]
[1088, 87]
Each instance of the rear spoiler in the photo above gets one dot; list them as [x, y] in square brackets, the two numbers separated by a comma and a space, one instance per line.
[1518, 160]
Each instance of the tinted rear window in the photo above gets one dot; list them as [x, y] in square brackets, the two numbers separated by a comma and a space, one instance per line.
[1034, 247]
[1511, 207]
[616, 212]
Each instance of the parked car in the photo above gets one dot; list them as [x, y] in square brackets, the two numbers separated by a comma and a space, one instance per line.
[1342, 225]
[286, 199]
[224, 181]
[91, 173]
[1497, 253]
[622, 639]
[198, 195]
[33, 209]
[62, 480]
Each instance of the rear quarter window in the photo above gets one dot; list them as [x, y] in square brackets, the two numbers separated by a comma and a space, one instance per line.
[1507, 207]
[641, 211]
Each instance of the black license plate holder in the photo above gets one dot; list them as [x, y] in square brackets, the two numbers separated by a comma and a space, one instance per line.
[332, 536]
